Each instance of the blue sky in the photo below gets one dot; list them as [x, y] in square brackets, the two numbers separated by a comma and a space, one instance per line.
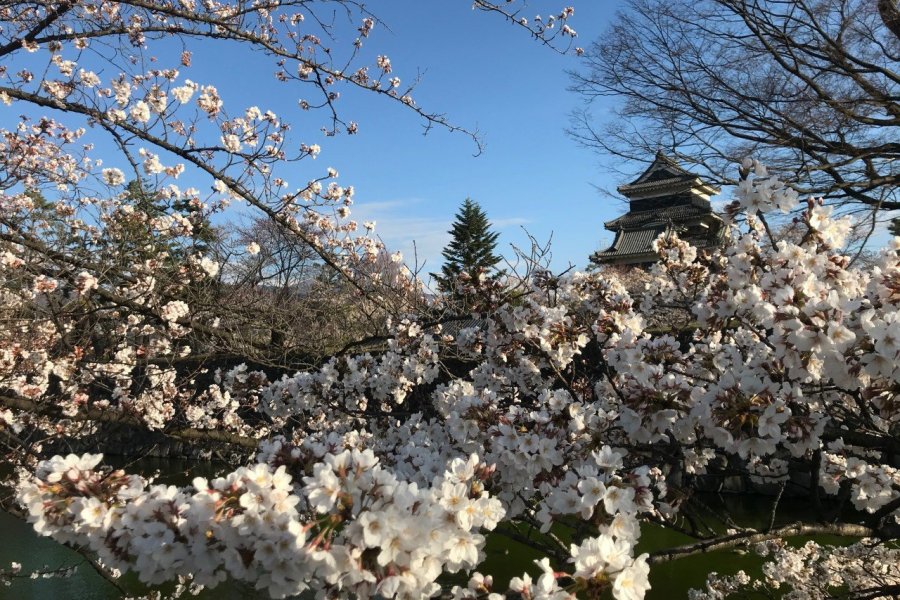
[484, 74]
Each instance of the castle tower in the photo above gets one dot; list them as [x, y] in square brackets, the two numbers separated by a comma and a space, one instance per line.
[665, 198]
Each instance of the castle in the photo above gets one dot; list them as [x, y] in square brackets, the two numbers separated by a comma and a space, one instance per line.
[665, 198]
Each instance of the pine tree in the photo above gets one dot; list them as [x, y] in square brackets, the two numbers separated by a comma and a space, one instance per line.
[471, 250]
[144, 198]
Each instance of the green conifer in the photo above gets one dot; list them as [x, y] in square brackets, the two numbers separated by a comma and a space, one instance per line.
[471, 249]
[144, 198]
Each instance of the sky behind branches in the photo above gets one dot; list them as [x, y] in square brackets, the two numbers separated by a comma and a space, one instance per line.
[483, 74]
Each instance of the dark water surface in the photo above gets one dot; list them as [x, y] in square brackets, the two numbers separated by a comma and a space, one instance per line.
[505, 558]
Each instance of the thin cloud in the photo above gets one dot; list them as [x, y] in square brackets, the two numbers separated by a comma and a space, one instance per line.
[510, 222]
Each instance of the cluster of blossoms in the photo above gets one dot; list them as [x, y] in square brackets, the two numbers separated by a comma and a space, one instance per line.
[872, 486]
[351, 383]
[349, 527]
[814, 571]
[10, 574]
[552, 29]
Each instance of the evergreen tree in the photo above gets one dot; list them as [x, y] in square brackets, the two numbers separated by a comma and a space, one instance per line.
[471, 250]
[141, 240]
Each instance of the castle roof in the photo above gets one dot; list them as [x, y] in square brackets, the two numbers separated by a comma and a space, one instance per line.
[665, 176]
[659, 216]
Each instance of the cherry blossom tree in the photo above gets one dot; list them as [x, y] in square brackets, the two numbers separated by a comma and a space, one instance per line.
[95, 213]
[556, 415]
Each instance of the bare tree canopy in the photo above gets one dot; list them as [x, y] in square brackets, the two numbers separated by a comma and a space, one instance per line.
[811, 87]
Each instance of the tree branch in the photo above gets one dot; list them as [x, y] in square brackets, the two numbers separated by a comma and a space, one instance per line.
[753, 537]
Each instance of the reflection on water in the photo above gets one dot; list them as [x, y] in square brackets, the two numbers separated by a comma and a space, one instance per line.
[505, 558]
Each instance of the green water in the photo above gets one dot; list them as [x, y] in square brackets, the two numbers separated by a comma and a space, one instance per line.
[505, 558]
